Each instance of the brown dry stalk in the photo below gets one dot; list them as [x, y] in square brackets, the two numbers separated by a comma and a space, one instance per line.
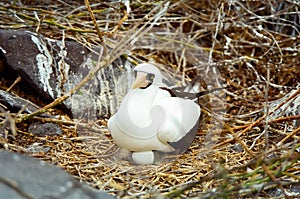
[238, 139]
[15, 187]
[288, 136]
[88, 6]
[15, 82]
[125, 17]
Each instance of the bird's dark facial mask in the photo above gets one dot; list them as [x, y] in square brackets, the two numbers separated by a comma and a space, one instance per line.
[142, 79]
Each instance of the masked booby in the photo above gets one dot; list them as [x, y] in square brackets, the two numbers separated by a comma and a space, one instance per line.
[150, 119]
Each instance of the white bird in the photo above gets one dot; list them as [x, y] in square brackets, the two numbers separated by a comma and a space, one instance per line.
[150, 119]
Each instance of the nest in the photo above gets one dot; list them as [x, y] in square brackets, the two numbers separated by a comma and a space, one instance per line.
[256, 48]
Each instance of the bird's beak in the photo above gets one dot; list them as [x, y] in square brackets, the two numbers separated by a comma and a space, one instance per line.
[140, 80]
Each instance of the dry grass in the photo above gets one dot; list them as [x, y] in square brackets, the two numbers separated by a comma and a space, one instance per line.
[255, 46]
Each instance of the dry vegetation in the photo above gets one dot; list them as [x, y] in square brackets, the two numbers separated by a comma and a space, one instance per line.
[255, 45]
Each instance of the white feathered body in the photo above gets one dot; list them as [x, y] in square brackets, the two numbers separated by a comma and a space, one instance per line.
[148, 119]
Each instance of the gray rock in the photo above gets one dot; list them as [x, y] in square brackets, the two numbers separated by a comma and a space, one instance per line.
[44, 129]
[24, 177]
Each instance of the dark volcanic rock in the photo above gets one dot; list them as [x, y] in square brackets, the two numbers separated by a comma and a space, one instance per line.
[40, 61]
[24, 177]
[53, 67]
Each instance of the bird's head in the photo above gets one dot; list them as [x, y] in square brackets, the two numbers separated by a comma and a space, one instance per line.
[146, 75]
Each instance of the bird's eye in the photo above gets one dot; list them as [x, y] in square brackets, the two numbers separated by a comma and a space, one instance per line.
[150, 77]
